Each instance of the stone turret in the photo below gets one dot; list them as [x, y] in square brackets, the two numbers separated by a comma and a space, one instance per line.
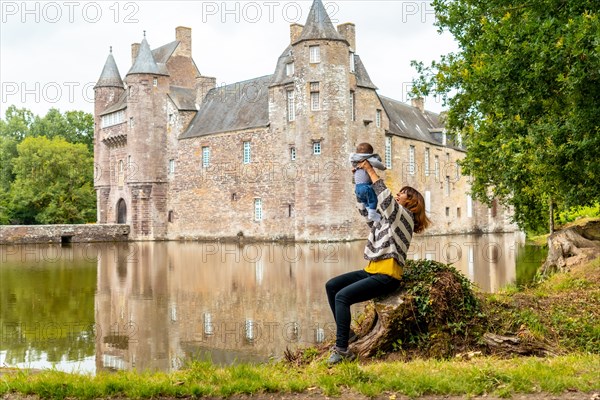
[148, 84]
[108, 91]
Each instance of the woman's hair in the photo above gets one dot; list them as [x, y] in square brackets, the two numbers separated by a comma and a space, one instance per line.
[416, 204]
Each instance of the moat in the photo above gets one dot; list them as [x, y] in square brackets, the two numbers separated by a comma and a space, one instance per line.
[154, 305]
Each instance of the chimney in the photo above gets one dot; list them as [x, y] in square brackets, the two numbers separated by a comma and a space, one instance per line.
[295, 32]
[135, 49]
[203, 85]
[184, 36]
[418, 102]
[348, 32]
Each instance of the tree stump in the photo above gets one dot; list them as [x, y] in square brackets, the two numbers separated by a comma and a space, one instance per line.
[434, 304]
[571, 246]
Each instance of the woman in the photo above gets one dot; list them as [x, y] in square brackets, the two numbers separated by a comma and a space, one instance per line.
[386, 249]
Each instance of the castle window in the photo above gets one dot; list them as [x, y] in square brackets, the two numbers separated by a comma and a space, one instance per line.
[447, 185]
[447, 211]
[258, 211]
[155, 82]
[352, 66]
[246, 152]
[315, 54]
[291, 106]
[205, 156]
[315, 103]
[457, 212]
[170, 216]
[289, 69]
[388, 152]
[436, 167]
[113, 118]
[426, 161]
[316, 148]
[171, 167]
[378, 118]
[428, 203]
[352, 106]
[293, 153]
[131, 122]
[411, 160]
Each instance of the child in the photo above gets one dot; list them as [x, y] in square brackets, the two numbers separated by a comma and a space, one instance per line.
[364, 192]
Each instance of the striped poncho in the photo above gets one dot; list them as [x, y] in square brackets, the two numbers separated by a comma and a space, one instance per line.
[389, 238]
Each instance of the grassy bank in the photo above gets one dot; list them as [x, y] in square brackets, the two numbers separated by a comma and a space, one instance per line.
[475, 377]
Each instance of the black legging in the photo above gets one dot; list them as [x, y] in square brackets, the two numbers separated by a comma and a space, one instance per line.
[350, 288]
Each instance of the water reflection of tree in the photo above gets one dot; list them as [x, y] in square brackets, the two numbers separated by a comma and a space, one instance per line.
[47, 310]
[528, 261]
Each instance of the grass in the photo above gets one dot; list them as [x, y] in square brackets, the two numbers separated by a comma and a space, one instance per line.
[420, 377]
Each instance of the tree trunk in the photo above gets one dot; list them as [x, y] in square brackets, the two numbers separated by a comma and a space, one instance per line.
[551, 217]
[381, 324]
[571, 246]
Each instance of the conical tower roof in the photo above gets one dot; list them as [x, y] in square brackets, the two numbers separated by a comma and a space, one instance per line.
[110, 76]
[144, 62]
[318, 25]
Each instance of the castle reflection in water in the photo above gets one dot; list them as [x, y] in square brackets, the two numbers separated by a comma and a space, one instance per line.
[160, 303]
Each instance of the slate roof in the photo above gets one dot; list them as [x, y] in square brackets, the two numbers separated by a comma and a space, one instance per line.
[183, 98]
[280, 76]
[145, 62]
[318, 25]
[110, 76]
[362, 76]
[121, 104]
[241, 105]
[163, 53]
[409, 122]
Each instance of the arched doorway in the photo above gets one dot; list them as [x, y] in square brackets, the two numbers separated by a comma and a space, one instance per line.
[121, 212]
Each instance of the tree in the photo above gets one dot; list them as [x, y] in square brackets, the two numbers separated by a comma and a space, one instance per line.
[53, 182]
[74, 126]
[17, 123]
[524, 94]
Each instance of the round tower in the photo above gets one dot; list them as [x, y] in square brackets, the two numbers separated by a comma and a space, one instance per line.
[147, 88]
[109, 90]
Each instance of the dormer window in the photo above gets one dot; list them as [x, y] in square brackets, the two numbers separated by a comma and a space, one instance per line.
[289, 69]
[315, 54]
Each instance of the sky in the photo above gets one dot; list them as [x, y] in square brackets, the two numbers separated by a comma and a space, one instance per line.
[52, 52]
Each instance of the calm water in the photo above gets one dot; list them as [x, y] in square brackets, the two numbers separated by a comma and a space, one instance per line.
[153, 305]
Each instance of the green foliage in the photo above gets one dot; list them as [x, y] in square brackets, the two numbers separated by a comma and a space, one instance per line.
[53, 182]
[524, 94]
[420, 278]
[61, 189]
[575, 213]
[447, 314]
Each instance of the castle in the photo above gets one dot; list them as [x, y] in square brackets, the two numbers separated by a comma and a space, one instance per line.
[179, 158]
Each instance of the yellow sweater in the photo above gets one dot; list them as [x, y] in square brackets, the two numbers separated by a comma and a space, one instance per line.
[387, 266]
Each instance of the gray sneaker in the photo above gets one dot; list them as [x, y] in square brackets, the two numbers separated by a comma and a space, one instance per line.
[338, 356]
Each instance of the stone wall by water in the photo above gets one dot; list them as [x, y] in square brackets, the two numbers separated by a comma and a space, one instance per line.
[16, 234]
